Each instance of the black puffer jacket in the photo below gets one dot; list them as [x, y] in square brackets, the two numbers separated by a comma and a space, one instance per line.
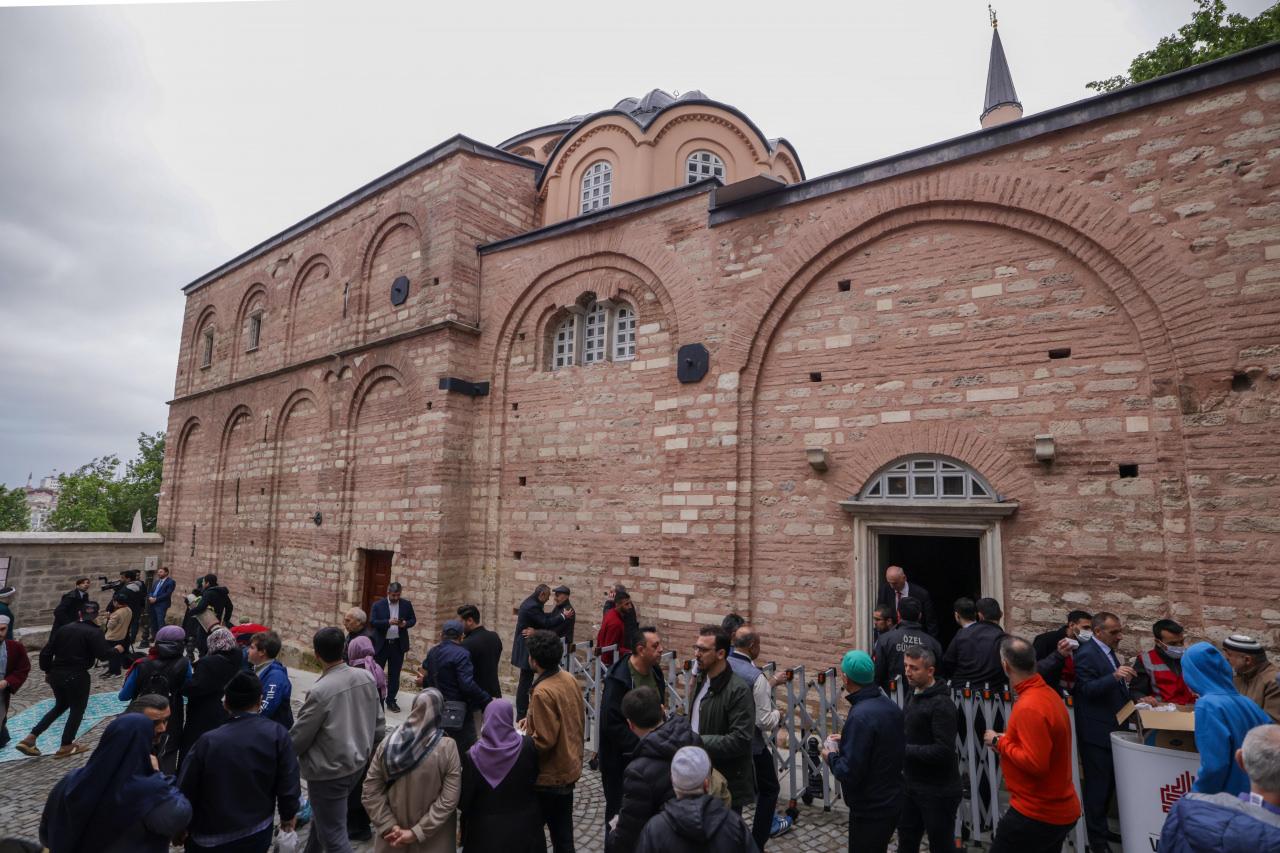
[930, 765]
[646, 784]
[696, 825]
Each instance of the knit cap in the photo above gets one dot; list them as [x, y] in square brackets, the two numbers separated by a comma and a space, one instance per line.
[690, 767]
[1242, 643]
[243, 690]
[858, 667]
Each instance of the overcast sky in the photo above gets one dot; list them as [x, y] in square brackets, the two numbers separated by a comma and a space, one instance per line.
[141, 146]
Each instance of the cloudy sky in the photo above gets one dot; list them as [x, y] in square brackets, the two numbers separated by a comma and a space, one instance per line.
[141, 146]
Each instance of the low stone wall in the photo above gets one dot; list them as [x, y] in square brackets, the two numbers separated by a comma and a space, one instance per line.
[42, 566]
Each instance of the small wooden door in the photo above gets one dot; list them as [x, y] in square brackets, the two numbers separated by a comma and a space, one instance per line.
[377, 575]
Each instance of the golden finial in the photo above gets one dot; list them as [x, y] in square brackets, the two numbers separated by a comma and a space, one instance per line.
[992, 13]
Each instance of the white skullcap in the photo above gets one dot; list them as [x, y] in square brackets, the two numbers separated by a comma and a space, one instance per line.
[690, 768]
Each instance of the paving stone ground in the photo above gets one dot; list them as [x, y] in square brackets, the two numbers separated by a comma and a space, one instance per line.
[27, 783]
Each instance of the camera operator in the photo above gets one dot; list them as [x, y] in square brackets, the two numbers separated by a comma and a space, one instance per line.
[133, 592]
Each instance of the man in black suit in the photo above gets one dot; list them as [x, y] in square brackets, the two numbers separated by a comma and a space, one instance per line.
[1102, 689]
[391, 618]
[895, 588]
[565, 629]
[485, 648]
[68, 609]
[974, 654]
[531, 617]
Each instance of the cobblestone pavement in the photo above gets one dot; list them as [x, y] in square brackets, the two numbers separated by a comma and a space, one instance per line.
[27, 783]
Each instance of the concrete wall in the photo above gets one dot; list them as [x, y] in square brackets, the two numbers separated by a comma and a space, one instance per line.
[42, 566]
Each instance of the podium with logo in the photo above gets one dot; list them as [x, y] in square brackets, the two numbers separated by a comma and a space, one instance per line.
[1155, 766]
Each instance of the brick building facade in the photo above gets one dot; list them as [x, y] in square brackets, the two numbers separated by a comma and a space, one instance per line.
[1105, 273]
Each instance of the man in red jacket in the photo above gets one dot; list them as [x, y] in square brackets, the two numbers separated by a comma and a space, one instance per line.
[15, 666]
[1035, 754]
[613, 630]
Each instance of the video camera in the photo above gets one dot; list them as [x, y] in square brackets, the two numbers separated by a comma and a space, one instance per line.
[110, 585]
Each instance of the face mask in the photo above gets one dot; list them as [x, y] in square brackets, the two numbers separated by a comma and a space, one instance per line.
[1174, 652]
[1085, 636]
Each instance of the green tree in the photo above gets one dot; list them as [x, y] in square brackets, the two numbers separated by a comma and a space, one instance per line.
[13, 509]
[1211, 34]
[96, 498]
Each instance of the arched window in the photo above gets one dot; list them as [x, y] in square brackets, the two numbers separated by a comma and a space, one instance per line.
[597, 186]
[566, 333]
[594, 334]
[927, 478]
[702, 165]
[624, 333]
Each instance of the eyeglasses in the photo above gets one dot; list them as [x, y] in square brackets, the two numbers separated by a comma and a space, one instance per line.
[703, 649]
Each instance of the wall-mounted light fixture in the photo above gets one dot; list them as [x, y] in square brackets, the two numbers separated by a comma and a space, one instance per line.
[817, 457]
[318, 518]
[1045, 449]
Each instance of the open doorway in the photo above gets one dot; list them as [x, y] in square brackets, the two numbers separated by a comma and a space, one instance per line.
[947, 566]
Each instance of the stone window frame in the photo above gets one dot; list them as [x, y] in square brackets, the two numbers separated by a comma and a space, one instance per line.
[206, 347]
[255, 330]
[596, 331]
[703, 164]
[596, 191]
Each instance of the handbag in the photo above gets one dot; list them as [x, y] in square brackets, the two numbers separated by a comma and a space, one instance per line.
[453, 716]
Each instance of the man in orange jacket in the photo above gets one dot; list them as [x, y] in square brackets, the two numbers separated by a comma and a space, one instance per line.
[1035, 754]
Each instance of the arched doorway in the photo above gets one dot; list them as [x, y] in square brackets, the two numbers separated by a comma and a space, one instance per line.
[939, 520]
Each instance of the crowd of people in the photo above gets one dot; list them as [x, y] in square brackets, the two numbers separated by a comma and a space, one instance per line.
[468, 766]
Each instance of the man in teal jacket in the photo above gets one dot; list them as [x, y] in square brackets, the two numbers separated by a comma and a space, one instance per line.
[1223, 718]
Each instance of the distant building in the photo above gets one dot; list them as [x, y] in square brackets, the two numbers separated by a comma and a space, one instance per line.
[41, 502]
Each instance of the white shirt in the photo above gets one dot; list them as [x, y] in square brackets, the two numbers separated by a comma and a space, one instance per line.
[393, 632]
[1108, 654]
[697, 704]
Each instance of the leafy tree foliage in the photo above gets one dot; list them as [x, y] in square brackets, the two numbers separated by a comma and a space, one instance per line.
[13, 509]
[96, 498]
[1211, 34]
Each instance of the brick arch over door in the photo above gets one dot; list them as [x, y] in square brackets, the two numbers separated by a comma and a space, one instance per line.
[1116, 260]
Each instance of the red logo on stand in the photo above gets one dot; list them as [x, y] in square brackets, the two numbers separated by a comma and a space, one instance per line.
[1170, 794]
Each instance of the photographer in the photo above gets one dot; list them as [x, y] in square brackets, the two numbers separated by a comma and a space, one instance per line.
[133, 592]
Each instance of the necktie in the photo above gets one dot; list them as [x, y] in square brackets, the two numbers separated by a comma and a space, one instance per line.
[897, 602]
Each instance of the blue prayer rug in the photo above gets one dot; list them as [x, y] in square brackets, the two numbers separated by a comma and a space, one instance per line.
[101, 706]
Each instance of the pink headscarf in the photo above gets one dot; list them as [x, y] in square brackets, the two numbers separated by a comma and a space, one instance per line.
[360, 654]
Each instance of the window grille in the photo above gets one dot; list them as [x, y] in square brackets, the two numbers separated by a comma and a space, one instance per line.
[594, 333]
[255, 329]
[702, 165]
[928, 479]
[597, 186]
[562, 355]
[624, 334]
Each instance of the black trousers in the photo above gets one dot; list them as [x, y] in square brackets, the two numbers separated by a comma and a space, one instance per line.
[392, 657]
[70, 693]
[1099, 782]
[924, 815]
[259, 842]
[115, 662]
[465, 735]
[357, 817]
[557, 814]
[1018, 833]
[522, 693]
[871, 834]
[767, 790]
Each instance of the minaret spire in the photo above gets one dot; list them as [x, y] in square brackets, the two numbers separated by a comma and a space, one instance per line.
[1002, 104]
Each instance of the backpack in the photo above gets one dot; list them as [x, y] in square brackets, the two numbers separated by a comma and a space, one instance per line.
[161, 677]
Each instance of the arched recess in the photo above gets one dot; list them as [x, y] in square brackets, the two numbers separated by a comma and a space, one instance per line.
[312, 312]
[733, 169]
[206, 319]
[190, 457]
[239, 533]
[1127, 263]
[253, 301]
[296, 466]
[394, 243]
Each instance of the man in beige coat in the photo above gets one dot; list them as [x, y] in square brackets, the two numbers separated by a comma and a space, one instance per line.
[334, 734]
[1255, 676]
[556, 722]
[116, 624]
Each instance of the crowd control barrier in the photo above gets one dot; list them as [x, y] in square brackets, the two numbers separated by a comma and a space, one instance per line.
[811, 709]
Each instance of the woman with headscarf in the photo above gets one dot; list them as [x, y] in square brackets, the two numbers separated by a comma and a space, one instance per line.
[118, 802]
[360, 655]
[205, 711]
[164, 672]
[411, 792]
[499, 810]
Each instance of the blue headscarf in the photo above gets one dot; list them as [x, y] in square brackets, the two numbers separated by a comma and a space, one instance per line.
[117, 784]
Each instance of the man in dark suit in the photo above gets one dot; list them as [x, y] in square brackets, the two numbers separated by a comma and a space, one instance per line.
[68, 609]
[565, 629]
[391, 618]
[158, 600]
[895, 588]
[485, 648]
[531, 617]
[1102, 689]
[974, 654]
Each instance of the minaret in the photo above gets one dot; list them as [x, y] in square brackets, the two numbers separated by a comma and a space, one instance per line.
[1002, 104]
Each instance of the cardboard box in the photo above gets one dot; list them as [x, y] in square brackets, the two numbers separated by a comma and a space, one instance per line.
[1164, 729]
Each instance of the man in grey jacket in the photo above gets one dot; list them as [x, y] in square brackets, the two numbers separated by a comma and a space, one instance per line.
[334, 736]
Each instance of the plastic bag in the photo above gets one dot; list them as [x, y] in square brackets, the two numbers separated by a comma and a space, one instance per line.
[287, 842]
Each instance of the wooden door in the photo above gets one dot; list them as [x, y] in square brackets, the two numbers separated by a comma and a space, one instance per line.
[377, 575]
